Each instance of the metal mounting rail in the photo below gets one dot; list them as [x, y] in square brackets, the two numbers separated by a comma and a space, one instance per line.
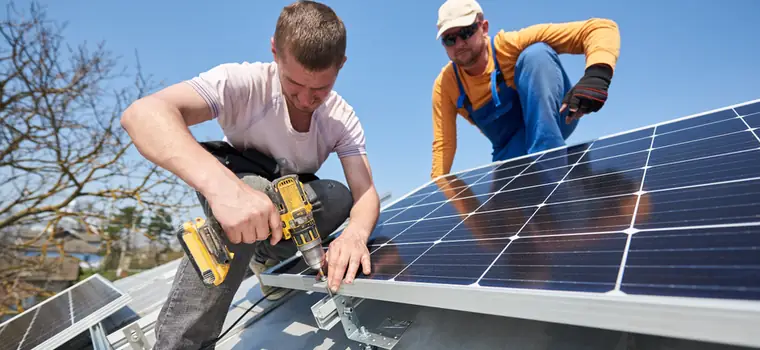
[341, 308]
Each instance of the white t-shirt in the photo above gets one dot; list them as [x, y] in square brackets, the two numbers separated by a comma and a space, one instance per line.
[246, 100]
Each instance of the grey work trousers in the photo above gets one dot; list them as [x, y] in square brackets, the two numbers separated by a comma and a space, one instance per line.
[193, 314]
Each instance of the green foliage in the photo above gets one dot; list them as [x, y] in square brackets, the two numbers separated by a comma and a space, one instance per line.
[128, 219]
[160, 227]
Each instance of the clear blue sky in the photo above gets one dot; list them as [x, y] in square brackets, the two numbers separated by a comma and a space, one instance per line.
[692, 56]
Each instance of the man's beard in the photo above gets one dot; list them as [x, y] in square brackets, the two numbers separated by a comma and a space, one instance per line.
[470, 59]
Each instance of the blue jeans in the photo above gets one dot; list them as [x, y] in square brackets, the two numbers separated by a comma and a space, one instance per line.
[541, 83]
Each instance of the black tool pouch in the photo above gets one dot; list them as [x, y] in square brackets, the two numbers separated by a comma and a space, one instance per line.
[249, 161]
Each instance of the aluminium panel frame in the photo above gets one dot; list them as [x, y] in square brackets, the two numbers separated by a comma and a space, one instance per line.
[732, 322]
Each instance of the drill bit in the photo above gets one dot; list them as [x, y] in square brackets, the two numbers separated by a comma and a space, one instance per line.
[323, 277]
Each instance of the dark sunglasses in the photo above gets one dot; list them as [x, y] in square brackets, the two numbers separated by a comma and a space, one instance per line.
[464, 34]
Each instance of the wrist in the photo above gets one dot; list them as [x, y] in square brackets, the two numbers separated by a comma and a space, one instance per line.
[357, 231]
[218, 182]
[600, 70]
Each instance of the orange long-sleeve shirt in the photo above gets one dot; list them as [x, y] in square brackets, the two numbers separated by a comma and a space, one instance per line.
[598, 39]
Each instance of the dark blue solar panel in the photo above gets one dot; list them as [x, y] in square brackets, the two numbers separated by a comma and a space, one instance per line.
[682, 199]
[718, 204]
[628, 162]
[701, 120]
[478, 172]
[57, 314]
[588, 263]
[748, 109]
[705, 147]
[703, 262]
[728, 167]
[724, 127]
[623, 138]
[387, 214]
[753, 120]
[389, 231]
[408, 201]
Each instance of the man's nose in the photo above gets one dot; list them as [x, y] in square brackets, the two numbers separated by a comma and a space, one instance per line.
[460, 43]
[307, 98]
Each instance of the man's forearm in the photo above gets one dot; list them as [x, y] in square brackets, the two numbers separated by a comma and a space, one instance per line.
[161, 136]
[365, 212]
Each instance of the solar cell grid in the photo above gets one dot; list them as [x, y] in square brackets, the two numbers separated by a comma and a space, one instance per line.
[748, 109]
[623, 138]
[51, 318]
[577, 263]
[694, 262]
[753, 120]
[62, 316]
[15, 331]
[590, 216]
[705, 119]
[90, 297]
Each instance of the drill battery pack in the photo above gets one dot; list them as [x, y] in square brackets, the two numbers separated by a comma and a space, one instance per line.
[206, 249]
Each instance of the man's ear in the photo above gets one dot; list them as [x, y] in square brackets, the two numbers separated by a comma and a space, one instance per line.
[342, 63]
[274, 51]
[485, 26]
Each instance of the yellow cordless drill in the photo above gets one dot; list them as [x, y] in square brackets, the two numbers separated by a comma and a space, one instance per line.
[204, 245]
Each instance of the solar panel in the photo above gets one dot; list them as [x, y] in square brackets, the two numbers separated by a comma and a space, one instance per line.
[651, 216]
[62, 317]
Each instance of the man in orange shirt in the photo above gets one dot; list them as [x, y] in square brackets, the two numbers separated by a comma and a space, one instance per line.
[512, 87]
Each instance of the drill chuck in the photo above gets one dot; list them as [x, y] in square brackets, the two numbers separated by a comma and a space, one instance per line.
[313, 254]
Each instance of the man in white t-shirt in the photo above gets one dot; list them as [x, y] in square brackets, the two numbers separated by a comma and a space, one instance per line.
[283, 113]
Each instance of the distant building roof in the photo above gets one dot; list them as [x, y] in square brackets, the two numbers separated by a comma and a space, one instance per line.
[73, 242]
[51, 269]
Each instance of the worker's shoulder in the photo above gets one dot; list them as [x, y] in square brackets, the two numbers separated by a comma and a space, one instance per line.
[446, 77]
[252, 79]
[245, 69]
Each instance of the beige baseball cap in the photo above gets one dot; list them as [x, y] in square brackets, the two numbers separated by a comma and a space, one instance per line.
[457, 13]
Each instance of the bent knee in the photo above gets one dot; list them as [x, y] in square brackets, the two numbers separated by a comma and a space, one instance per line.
[332, 194]
[538, 50]
[342, 197]
[537, 55]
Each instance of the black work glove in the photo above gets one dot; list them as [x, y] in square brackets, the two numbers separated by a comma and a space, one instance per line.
[589, 94]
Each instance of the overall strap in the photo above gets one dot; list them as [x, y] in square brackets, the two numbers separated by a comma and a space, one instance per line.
[497, 78]
[463, 100]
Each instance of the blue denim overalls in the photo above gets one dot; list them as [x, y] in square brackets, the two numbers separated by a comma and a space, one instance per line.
[502, 120]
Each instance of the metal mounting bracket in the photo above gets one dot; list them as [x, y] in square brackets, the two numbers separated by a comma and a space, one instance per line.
[326, 312]
[134, 335]
[98, 337]
[340, 308]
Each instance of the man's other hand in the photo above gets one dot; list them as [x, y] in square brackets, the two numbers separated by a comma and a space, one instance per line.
[590, 94]
[247, 215]
[344, 256]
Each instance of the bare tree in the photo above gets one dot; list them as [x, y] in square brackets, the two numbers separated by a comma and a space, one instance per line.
[61, 141]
